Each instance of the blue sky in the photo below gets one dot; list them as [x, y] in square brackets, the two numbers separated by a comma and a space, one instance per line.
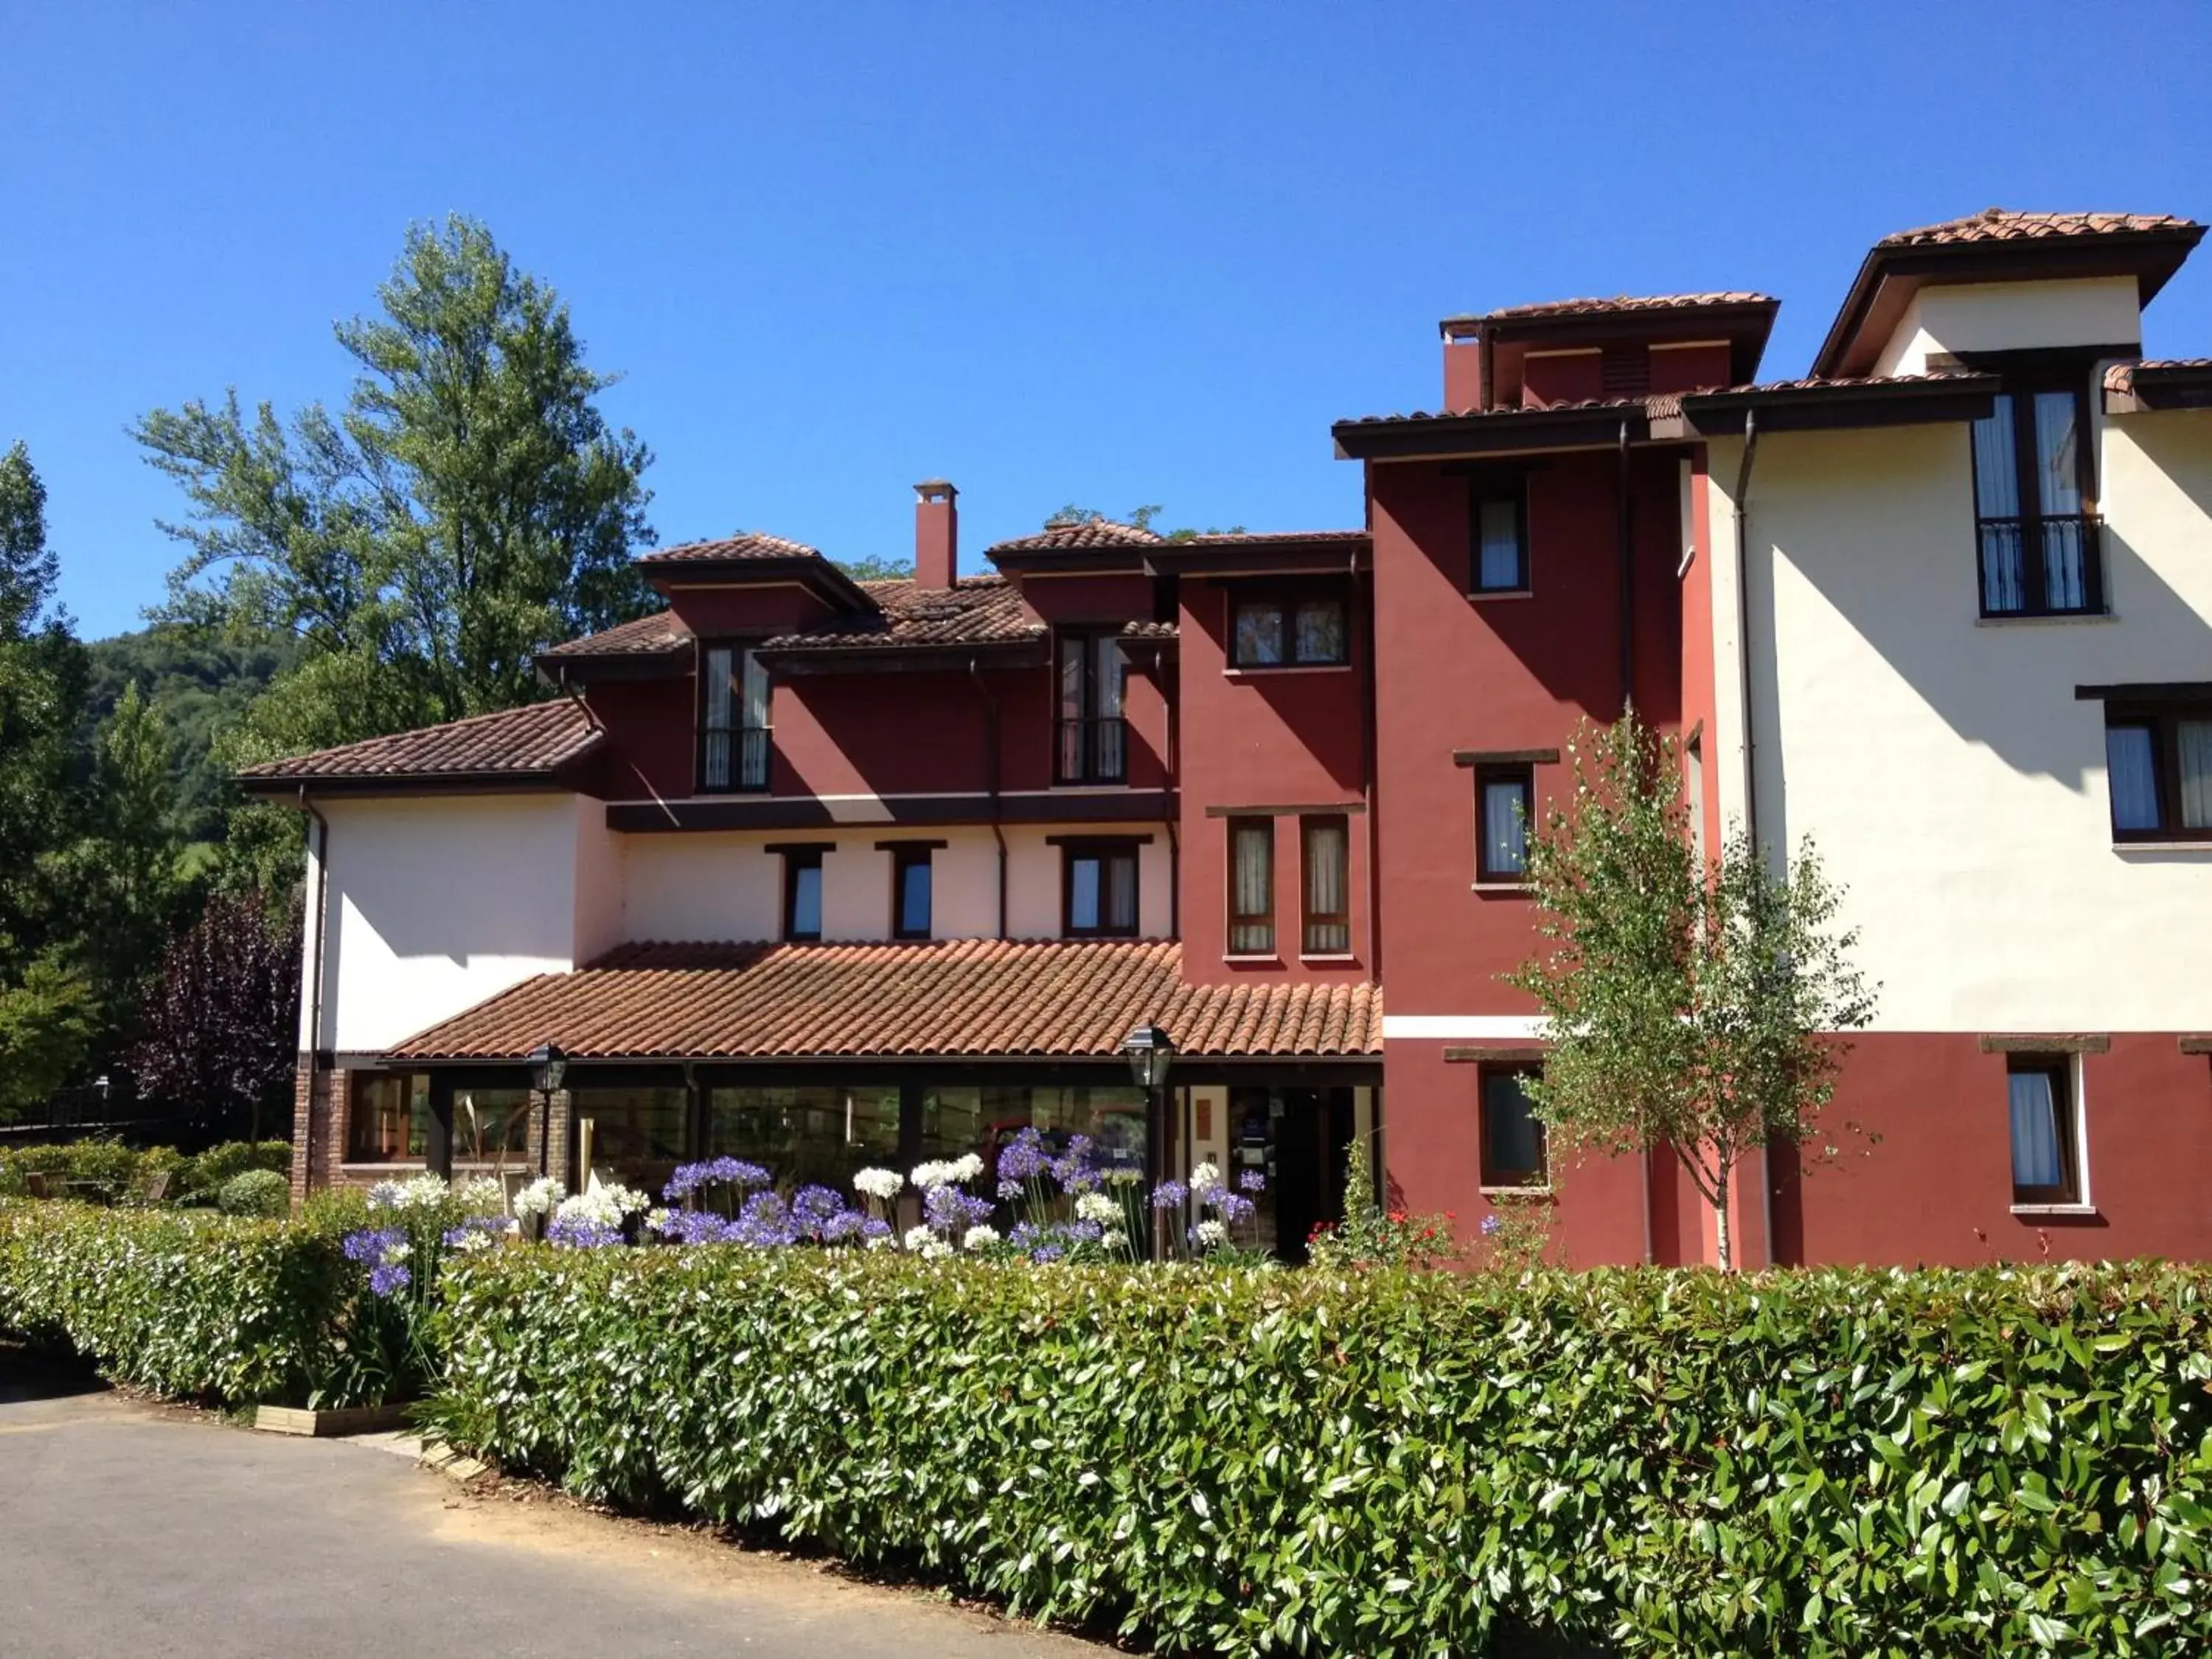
[1112, 253]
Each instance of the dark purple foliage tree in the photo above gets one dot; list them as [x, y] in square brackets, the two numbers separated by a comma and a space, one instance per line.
[220, 1021]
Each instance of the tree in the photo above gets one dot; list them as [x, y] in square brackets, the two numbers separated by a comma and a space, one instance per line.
[470, 506]
[1689, 1007]
[220, 1024]
[1141, 518]
[121, 874]
[49, 1017]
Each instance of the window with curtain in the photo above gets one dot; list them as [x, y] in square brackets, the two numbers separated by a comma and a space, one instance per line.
[1098, 891]
[1499, 563]
[1092, 746]
[802, 893]
[910, 892]
[2044, 1164]
[1251, 887]
[1513, 1145]
[2157, 768]
[1326, 845]
[388, 1119]
[2040, 552]
[733, 720]
[1297, 626]
[1505, 799]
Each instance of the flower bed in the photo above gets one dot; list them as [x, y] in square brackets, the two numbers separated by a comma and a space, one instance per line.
[1994, 1461]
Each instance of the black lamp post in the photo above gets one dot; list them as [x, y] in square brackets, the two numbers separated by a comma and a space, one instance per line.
[1152, 1051]
[547, 1065]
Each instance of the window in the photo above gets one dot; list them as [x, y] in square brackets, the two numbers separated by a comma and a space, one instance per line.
[910, 885]
[812, 1134]
[2045, 1136]
[2157, 763]
[1504, 797]
[390, 1120]
[491, 1126]
[2039, 542]
[802, 893]
[1498, 515]
[1098, 895]
[1326, 844]
[1093, 746]
[733, 724]
[1251, 887]
[1289, 628]
[637, 1136]
[1513, 1146]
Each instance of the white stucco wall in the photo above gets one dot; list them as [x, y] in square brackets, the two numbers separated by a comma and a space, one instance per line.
[2012, 317]
[436, 903]
[1943, 763]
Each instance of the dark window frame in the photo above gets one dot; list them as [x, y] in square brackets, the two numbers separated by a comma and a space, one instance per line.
[1288, 598]
[742, 747]
[1487, 773]
[1103, 848]
[2024, 377]
[2164, 721]
[2059, 1068]
[1241, 920]
[904, 858]
[1100, 753]
[359, 1085]
[796, 858]
[1482, 489]
[1493, 1178]
[1310, 918]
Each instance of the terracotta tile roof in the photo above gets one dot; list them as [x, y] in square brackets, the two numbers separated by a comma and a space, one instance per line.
[1077, 537]
[976, 610]
[2002, 225]
[531, 742]
[1268, 537]
[978, 997]
[2121, 377]
[753, 545]
[648, 636]
[1832, 382]
[1634, 405]
[1622, 303]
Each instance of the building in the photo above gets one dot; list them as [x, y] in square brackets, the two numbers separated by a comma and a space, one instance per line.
[829, 872]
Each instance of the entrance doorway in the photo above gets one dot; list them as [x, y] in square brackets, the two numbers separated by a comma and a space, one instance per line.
[1300, 1140]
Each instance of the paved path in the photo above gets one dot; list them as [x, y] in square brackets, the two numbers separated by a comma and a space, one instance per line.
[130, 1528]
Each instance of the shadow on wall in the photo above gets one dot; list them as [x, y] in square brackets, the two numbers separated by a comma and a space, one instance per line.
[1895, 564]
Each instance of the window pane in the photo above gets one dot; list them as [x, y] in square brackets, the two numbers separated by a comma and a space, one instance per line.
[715, 762]
[1083, 894]
[1500, 562]
[1321, 631]
[1252, 882]
[2035, 1154]
[638, 1135]
[1259, 635]
[390, 1118]
[2132, 770]
[755, 694]
[1121, 892]
[1504, 827]
[1072, 680]
[807, 901]
[2196, 743]
[491, 1126]
[815, 1133]
[1110, 672]
[1513, 1138]
[1326, 851]
[1997, 482]
[2058, 462]
[914, 896]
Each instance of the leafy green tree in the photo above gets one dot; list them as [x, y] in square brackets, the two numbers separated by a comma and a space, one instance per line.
[470, 505]
[1689, 1007]
[49, 1021]
[121, 874]
[1144, 518]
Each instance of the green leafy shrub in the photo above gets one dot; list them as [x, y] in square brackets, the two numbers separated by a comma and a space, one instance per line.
[200, 1179]
[108, 1172]
[188, 1303]
[98, 1171]
[1643, 1462]
[256, 1192]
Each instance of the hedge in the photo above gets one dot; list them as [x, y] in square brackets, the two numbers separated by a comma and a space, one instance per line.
[1809, 1462]
[185, 1303]
[112, 1173]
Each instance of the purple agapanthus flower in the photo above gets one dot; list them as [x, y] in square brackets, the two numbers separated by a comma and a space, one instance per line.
[1233, 1206]
[1491, 1225]
[694, 1227]
[492, 1226]
[388, 1278]
[735, 1171]
[1023, 1158]
[573, 1233]
[1074, 1169]
[371, 1245]
[766, 1222]
[1251, 1181]
[1169, 1195]
[949, 1210]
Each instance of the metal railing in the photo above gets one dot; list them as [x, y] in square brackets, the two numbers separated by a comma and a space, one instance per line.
[2042, 566]
[1094, 749]
[748, 746]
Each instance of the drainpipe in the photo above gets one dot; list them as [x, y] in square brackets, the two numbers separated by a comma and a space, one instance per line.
[1174, 781]
[1743, 623]
[991, 738]
[1369, 720]
[322, 932]
[1627, 585]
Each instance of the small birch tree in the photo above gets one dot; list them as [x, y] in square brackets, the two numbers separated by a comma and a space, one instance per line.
[1693, 1007]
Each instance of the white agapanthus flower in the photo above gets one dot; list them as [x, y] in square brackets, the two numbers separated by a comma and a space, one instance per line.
[482, 1195]
[541, 1197]
[1212, 1234]
[1204, 1178]
[603, 1205]
[1097, 1207]
[919, 1239]
[416, 1192]
[879, 1183]
[398, 1252]
[1115, 1239]
[880, 1241]
[979, 1238]
[656, 1220]
[1122, 1175]
[926, 1176]
[475, 1242]
[966, 1167]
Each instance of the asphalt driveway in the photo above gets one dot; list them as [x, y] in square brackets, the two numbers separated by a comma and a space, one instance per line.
[132, 1529]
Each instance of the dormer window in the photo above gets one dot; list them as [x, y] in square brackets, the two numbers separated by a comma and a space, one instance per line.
[2039, 539]
[1093, 738]
[733, 728]
[1289, 626]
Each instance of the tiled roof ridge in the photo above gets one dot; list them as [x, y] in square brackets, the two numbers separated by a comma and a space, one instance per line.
[1597, 304]
[544, 735]
[1658, 402]
[1998, 224]
[745, 544]
[655, 632]
[1079, 533]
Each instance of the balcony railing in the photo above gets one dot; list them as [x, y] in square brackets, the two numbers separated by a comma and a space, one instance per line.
[2048, 567]
[748, 749]
[1094, 749]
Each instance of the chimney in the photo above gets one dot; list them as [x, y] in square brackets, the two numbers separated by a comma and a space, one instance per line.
[936, 534]
[1463, 353]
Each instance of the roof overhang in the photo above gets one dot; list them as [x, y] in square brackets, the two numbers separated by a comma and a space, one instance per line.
[597, 667]
[812, 812]
[1270, 556]
[1743, 324]
[1495, 432]
[1890, 277]
[797, 660]
[2142, 388]
[1919, 402]
[1124, 560]
[316, 787]
[818, 576]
